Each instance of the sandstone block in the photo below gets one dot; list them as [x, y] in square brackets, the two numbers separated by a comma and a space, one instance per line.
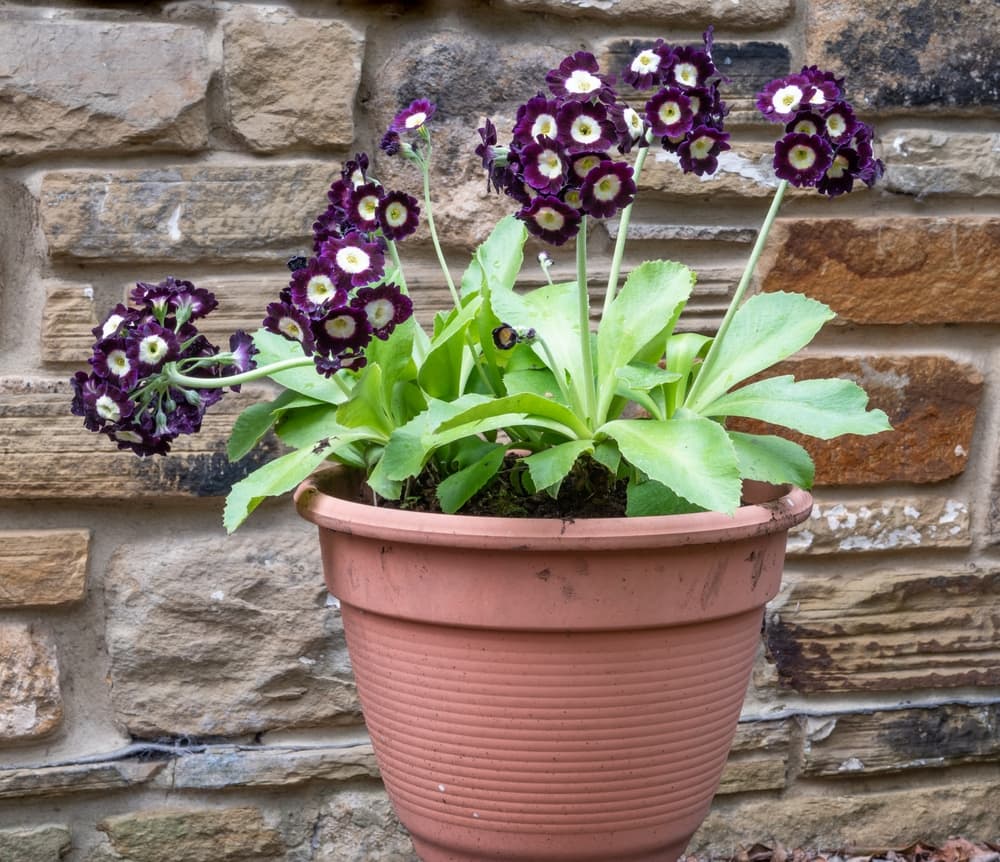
[931, 402]
[67, 320]
[886, 630]
[758, 759]
[214, 637]
[34, 844]
[279, 95]
[195, 212]
[921, 162]
[63, 780]
[888, 524]
[756, 13]
[30, 698]
[360, 824]
[93, 85]
[192, 835]
[904, 270]
[42, 567]
[909, 54]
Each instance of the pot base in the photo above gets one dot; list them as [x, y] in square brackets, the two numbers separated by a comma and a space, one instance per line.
[429, 852]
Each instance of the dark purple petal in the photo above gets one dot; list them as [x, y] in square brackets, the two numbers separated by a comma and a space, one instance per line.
[783, 98]
[578, 77]
[802, 159]
[384, 306]
[689, 67]
[669, 113]
[544, 165]
[584, 127]
[550, 219]
[413, 117]
[607, 189]
[344, 328]
[398, 215]
[116, 360]
[699, 151]
[647, 67]
[317, 284]
[840, 123]
[362, 208]
[294, 324]
[536, 118]
[155, 345]
[354, 259]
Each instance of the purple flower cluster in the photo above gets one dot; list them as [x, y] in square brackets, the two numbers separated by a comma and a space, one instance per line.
[338, 300]
[127, 395]
[825, 146]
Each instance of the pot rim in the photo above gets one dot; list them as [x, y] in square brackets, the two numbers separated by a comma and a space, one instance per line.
[323, 499]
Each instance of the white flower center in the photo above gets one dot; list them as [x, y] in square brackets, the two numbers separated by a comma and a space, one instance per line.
[368, 207]
[802, 157]
[647, 61]
[111, 325]
[701, 147]
[380, 312]
[128, 436]
[290, 327]
[550, 219]
[607, 188]
[787, 99]
[353, 260]
[817, 97]
[572, 197]
[582, 81]
[634, 122]
[836, 125]
[119, 363]
[686, 74]
[837, 169]
[343, 326]
[585, 131]
[584, 165]
[107, 408]
[544, 125]
[416, 120]
[805, 127]
[357, 178]
[395, 214]
[319, 289]
[152, 349]
[549, 164]
[669, 113]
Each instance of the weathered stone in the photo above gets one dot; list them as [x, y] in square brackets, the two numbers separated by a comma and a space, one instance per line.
[886, 630]
[755, 13]
[223, 638]
[279, 94]
[883, 742]
[921, 162]
[890, 524]
[899, 270]
[931, 402]
[360, 826]
[910, 54]
[178, 835]
[195, 212]
[77, 778]
[49, 454]
[30, 699]
[230, 767]
[856, 819]
[758, 759]
[67, 320]
[92, 85]
[34, 844]
[42, 567]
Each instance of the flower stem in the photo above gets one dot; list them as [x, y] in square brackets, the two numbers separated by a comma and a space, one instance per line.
[394, 254]
[175, 378]
[758, 247]
[425, 169]
[583, 305]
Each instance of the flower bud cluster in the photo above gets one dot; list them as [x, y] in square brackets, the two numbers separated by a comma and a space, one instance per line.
[338, 300]
[130, 393]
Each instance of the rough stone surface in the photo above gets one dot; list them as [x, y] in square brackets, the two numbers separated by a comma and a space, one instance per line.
[257, 212]
[856, 820]
[899, 270]
[911, 53]
[359, 825]
[758, 759]
[30, 698]
[921, 162]
[35, 844]
[213, 638]
[900, 740]
[63, 780]
[49, 454]
[179, 835]
[90, 85]
[279, 92]
[749, 13]
[931, 402]
[886, 630]
[889, 524]
[42, 567]
[67, 320]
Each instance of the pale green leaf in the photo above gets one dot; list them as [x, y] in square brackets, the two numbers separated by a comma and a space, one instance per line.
[458, 488]
[525, 403]
[767, 458]
[254, 422]
[550, 466]
[305, 380]
[654, 498]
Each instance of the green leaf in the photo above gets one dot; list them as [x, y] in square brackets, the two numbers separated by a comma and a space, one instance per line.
[649, 301]
[654, 498]
[691, 455]
[644, 377]
[525, 403]
[498, 259]
[275, 348]
[253, 423]
[819, 408]
[767, 458]
[367, 407]
[458, 488]
[683, 349]
[537, 381]
[767, 328]
[442, 374]
[550, 466]
[607, 453]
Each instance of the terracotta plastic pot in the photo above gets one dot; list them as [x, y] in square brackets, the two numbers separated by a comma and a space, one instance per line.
[545, 689]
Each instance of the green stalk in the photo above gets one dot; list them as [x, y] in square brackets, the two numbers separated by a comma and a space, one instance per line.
[175, 378]
[429, 213]
[583, 306]
[394, 254]
[758, 247]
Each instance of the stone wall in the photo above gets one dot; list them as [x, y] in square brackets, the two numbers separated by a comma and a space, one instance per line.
[167, 693]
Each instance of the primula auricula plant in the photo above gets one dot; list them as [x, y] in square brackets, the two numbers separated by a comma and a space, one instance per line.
[513, 383]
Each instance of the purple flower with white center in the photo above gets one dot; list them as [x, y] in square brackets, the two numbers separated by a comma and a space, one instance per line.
[398, 215]
[362, 208]
[802, 159]
[647, 67]
[413, 117]
[839, 177]
[117, 321]
[536, 118]
[292, 323]
[339, 194]
[116, 359]
[707, 107]
[107, 403]
[584, 163]
[699, 152]
[355, 259]
[669, 113]
[243, 350]
[825, 86]
[807, 123]
[317, 285]
[689, 67]
[344, 328]
[584, 127]
[839, 122]
[571, 197]
[347, 361]
[608, 188]
[86, 389]
[578, 77]
[550, 219]
[543, 165]
[782, 98]
[155, 345]
[355, 171]
[328, 224]
[384, 306]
